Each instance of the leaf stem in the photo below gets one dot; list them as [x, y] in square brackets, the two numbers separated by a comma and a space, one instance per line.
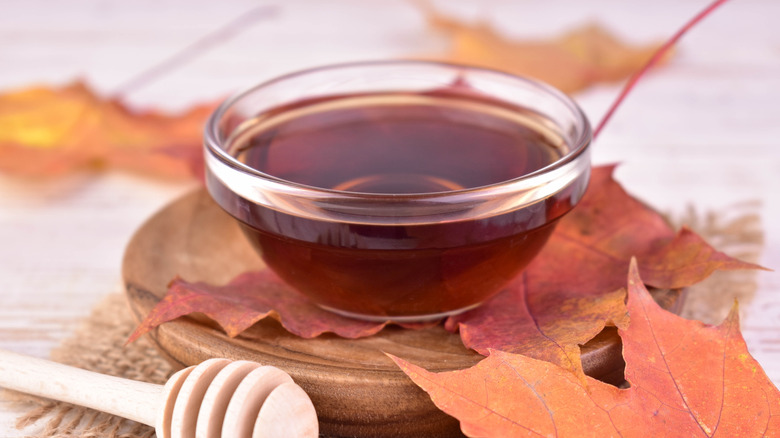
[195, 49]
[654, 60]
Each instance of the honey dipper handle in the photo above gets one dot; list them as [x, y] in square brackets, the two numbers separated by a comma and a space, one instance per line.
[138, 401]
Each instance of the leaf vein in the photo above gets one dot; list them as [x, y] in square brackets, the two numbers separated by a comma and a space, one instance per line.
[538, 327]
[677, 388]
[473, 402]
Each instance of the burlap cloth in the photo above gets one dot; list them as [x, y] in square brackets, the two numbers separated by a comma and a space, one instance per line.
[98, 344]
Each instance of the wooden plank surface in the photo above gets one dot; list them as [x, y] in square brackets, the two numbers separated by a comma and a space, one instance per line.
[704, 130]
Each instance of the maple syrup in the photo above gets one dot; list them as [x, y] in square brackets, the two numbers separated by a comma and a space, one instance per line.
[426, 218]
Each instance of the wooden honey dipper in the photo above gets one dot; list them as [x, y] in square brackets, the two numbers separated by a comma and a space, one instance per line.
[218, 398]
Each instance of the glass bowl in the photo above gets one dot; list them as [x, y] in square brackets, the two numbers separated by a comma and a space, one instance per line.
[399, 190]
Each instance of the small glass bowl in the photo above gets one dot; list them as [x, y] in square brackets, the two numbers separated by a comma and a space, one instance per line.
[396, 256]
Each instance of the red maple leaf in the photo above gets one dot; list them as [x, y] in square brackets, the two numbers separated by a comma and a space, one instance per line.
[567, 294]
[249, 298]
[547, 311]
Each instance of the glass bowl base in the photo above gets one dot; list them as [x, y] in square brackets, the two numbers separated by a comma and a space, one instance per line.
[400, 319]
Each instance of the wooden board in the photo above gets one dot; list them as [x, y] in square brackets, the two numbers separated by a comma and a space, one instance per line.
[356, 389]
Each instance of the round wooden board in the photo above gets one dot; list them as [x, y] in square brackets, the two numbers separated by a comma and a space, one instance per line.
[356, 389]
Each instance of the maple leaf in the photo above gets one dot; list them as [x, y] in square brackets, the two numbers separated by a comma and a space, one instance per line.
[546, 312]
[250, 297]
[549, 311]
[552, 331]
[46, 131]
[574, 61]
[686, 379]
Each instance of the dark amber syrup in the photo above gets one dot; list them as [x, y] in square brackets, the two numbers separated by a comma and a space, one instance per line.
[398, 144]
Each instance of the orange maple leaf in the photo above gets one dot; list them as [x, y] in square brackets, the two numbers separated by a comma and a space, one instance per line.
[571, 62]
[46, 131]
[686, 379]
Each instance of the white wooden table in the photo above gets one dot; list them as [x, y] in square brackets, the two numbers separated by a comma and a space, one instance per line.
[703, 130]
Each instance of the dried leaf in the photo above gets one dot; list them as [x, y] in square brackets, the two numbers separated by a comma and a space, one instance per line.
[552, 330]
[47, 131]
[574, 61]
[686, 379]
[546, 313]
[249, 298]
[550, 311]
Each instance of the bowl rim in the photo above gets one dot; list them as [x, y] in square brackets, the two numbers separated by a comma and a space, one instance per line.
[213, 138]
